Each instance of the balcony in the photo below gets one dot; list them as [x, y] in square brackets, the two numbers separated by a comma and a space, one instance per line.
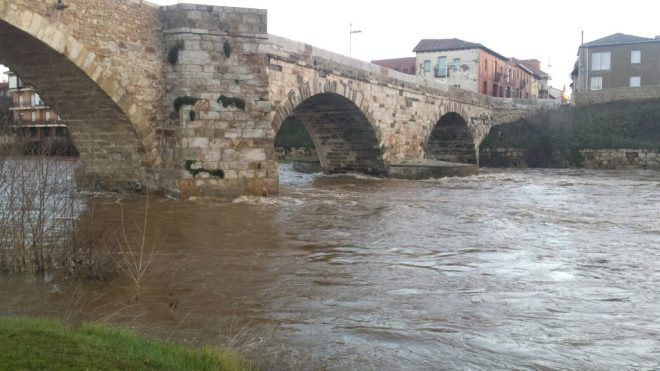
[497, 77]
[523, 84]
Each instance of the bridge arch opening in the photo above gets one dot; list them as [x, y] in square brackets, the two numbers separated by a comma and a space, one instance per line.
[344, 139]
[102, 133]
[451, 140]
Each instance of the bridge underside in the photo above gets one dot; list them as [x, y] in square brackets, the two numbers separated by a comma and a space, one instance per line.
[103, 135]
[344, 138]
[451, 141]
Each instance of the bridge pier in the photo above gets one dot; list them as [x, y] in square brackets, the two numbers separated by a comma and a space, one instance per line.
[221, 142]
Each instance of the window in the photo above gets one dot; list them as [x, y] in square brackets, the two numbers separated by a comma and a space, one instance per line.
[600, 61]
[427, 66]
[596, 83]
[636, 56]
[442, 67]
[20, 101]
[15, 82]
[456, 63]
[34, 116]
[635, 81]
[47, 115]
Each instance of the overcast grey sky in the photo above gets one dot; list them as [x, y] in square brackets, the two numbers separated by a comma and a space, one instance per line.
[548, 31]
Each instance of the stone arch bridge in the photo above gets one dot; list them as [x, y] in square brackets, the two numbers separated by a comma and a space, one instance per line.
[189, 98]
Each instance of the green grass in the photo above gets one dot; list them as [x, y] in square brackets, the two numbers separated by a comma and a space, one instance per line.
[38, 344]
[293, 134]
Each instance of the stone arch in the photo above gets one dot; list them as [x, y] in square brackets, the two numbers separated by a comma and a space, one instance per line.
[343, 134]
[109, 130]
[451, 140]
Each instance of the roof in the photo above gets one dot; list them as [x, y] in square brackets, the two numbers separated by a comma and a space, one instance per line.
[436, 45]
[534, 66]
[619, 38]
[397, 63]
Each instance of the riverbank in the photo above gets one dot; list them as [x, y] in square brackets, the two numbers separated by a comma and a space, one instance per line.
[31, 344]
[615, 135]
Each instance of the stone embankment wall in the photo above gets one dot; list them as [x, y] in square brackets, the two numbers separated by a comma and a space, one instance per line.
[621, 134]
[616, 94]
[621, 158]
[584, 158]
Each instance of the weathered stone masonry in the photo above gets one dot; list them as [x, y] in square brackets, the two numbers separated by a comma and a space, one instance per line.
[219, 150]
[113, 70]
[99, 64]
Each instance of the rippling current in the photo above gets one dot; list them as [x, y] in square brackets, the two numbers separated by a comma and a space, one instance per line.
[511, 269]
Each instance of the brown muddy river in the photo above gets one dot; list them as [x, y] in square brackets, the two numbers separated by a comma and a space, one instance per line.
[529, 269]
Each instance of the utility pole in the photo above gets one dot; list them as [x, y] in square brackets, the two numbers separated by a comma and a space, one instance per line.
[350, 38]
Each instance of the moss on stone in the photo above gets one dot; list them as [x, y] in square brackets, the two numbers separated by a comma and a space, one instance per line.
[226, 48]
[184, 101]
[232, 102]
[173, 55]
[218, 173]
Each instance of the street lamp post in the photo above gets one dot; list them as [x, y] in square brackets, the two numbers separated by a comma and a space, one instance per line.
[350, 38]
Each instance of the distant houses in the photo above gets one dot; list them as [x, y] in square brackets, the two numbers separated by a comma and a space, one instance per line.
[474, 67]
[29, 118]
[617, 67]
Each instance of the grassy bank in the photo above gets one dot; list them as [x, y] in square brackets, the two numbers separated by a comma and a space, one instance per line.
[293, 134]
[554, 138]
[48, 344]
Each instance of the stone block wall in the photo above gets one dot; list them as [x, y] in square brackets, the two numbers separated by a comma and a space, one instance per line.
[585, 158]
[211, 148]
[616, 94]
[621, 158]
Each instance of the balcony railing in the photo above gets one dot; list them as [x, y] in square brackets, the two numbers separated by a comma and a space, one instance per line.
[497, 77]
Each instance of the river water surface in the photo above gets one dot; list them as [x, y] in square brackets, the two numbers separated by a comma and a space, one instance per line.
[511, 269]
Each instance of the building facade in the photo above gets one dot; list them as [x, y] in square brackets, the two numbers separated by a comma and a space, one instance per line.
[27, 108]
[541, 82]
[38, 126]
[474, 67]
[617, 61]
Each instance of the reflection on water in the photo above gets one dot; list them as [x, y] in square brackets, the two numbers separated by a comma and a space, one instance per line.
[539, 269]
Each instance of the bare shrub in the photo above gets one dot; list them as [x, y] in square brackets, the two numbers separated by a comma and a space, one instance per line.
[38, 208]
[136, 247]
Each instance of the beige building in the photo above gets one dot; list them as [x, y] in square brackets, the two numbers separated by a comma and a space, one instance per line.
[474, 67]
